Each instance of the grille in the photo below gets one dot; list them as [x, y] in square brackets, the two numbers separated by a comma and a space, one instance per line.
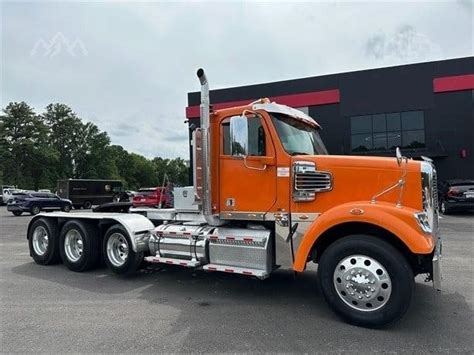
[312, 181]
[435, 190]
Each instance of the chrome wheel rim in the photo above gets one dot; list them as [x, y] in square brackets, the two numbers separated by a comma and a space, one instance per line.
[73, 245]
[36, 210]
[117, 249]
[40, 240]
[362, 283]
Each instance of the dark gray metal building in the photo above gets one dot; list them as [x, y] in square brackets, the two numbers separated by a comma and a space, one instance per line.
[425, 108]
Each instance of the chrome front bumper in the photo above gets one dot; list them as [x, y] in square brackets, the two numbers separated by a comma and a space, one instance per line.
[436, 264]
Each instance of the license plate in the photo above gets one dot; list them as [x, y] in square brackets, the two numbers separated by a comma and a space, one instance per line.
[142, 199]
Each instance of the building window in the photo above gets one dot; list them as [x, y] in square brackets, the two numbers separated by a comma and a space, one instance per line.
[387, 131]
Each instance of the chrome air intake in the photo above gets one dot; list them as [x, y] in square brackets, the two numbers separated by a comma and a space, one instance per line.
[308, 181]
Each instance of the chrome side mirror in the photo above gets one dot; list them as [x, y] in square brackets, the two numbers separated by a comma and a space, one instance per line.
[239, 135]
[399, 156]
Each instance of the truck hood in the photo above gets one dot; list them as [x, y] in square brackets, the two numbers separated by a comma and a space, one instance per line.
[360, 178]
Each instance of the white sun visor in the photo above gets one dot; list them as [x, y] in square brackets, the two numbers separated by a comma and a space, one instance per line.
[286, 110]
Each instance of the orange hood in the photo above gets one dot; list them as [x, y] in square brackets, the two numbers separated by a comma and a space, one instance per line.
[359, 178]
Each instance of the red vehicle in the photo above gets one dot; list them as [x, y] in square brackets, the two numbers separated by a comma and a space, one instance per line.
[153, 197]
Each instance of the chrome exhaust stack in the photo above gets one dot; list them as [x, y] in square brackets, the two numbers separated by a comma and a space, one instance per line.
[211, 219]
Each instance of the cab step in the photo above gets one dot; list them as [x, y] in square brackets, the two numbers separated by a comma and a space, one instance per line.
[172, 261]
[261, 274]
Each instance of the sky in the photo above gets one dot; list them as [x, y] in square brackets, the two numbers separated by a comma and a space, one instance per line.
[128, 66]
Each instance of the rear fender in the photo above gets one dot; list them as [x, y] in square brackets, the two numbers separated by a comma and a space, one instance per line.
[137, 226]
[400, 222]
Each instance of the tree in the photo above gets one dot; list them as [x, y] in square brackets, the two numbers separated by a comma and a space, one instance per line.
[36, 151]
[176, 169]
[92, 155]
[64, 128]
[25, 154]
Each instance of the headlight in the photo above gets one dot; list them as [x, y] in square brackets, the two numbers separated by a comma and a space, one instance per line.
[424, 222]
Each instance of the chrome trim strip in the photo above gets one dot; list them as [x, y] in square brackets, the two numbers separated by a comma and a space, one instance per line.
[436, 273]
[243, 216]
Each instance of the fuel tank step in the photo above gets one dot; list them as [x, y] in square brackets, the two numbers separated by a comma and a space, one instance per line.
[261, 274]
[171, 261]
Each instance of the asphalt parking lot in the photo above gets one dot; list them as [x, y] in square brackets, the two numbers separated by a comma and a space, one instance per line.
[168, 309]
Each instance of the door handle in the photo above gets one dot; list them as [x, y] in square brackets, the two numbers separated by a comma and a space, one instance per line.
[251, 167]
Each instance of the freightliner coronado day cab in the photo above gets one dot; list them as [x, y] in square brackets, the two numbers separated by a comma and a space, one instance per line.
[267, 195]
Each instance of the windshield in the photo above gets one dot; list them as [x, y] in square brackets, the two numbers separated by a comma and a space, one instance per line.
[298, 138]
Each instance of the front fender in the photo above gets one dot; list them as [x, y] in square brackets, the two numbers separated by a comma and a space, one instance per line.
[400, 221]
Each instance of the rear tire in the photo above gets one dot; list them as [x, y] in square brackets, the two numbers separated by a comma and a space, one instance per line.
[79, 245]
[35, 209]
[66, 208]
[17, 213]
[445, 209]
[118, 253]
[43, 241]
[366, 280]
[87, 205]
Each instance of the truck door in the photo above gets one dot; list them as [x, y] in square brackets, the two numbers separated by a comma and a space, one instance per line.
[247, 181]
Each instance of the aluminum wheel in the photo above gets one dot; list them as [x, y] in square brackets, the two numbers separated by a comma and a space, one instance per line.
[117, 249]
[40, 240]
[73, 245]
[362, 283]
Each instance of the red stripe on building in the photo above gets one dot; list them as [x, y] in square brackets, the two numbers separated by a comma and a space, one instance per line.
[296, 100]
[453, 83]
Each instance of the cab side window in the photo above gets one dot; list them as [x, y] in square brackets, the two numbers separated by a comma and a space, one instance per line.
[256, 138]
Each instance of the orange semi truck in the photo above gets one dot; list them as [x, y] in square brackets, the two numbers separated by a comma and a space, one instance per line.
[267, 195]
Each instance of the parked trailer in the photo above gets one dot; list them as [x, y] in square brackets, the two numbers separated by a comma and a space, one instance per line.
[267, 195]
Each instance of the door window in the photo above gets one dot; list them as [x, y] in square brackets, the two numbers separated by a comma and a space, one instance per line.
[256, 137]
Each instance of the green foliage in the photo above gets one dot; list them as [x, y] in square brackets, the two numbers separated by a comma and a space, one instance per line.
[26, 156]
[37, 150]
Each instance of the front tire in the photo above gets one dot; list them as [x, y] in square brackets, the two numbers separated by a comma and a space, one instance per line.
[87, 205]
[118, 253]
[366, 281]
[17, 213]
[43, 241]
[79, 245]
